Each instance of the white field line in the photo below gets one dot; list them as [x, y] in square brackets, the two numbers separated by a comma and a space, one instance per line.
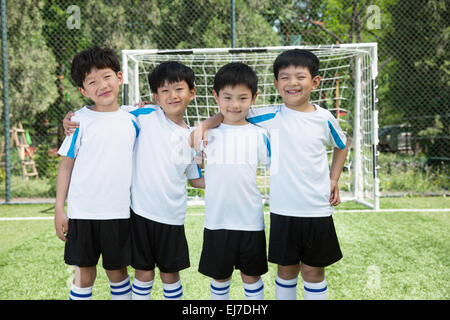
[363, 211]
[266, 213]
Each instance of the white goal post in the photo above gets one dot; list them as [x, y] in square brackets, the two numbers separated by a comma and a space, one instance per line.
[348, 90]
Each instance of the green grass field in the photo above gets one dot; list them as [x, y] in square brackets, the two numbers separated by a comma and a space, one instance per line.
[387, 255]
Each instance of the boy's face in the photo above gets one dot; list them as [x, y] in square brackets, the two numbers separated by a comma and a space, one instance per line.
[234, 103]
[174, 97]
[102, 86]
[295, 84]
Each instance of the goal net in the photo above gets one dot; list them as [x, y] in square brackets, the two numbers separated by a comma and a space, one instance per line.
[347, 89]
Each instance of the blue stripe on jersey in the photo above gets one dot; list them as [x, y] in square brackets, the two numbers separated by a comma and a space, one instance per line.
[336, 137]
[135, 128]
[263, 117]
[140, 111]
[267, 142]
[71, 151]
[199, 171]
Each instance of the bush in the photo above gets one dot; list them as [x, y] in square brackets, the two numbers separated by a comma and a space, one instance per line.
[407, 173]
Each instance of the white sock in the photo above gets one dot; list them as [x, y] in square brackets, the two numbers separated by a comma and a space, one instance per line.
[220, 290]
[285, 289]
[254, 291]
[142, 290]
[173, 291]
[121, 290]
[315, 290]
[77, 293]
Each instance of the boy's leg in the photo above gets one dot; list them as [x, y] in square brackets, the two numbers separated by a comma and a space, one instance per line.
[253, 287]
[119, 283]
[83, 281]
[220, 289]
[286, 282]
[143, 284]
[314, 282]
[173, 290]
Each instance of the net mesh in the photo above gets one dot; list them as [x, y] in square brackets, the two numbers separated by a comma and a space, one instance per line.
[347, 83]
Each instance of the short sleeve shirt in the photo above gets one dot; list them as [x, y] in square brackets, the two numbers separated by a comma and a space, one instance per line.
[299, 171]
[162, 161]
[101, 178]
[232, 197]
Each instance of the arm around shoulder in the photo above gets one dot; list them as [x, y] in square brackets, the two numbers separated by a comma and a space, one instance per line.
[199, 133]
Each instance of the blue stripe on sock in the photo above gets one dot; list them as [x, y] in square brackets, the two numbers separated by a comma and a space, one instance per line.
[121, 292]
[221, 294]
[255, 290]
[121, 286]
[141, 294]
[174, 290]
[285, 285]
[142, 288]
[173, 297]
[81, 295]
[220, 289]
[315, 290]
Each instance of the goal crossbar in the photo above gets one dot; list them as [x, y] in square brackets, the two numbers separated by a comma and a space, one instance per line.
[348, 89]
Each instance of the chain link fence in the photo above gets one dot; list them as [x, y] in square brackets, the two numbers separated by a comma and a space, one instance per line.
[413, 79]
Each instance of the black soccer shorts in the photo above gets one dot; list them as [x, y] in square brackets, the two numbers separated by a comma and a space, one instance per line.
[312, 241]
[88, 239]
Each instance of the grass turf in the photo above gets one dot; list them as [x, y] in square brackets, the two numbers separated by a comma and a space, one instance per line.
[387, 255]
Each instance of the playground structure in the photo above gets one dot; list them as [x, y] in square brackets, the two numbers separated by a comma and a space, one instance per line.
[18, 139]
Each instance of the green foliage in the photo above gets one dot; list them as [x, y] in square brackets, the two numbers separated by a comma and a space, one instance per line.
[30, 61]
[411, 174]
[418, 85]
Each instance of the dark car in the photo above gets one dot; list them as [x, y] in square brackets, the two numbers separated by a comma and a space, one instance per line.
[394, 138]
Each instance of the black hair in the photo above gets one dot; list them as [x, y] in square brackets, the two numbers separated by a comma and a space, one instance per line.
[83, 62]
[236, 73]
[297, 57]
[170, 71]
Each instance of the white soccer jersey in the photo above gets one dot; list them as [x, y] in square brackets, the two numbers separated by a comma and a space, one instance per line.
[232, 197]
[299, 171]
[101, 178]
[162, 161]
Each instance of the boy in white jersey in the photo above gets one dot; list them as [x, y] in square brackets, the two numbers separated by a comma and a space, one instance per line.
[302, 188]
[162, 159]
[234, 234]
[95, 173]
[158, 192]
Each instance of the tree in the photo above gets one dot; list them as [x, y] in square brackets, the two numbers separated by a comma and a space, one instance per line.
[31, 79]
[418, 86]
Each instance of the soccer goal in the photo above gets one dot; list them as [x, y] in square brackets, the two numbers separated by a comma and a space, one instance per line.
[348, 90]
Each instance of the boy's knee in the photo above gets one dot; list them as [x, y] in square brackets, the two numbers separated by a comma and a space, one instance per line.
[169, 277]
[288, 272]
[84, 276]
[144, 275]
[312, 274]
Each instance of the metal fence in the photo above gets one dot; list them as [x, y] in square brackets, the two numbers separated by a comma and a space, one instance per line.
[44, 35]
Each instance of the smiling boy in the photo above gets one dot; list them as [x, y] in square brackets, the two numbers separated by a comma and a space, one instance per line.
[303, 189]
[95, 173]
[234, 235]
